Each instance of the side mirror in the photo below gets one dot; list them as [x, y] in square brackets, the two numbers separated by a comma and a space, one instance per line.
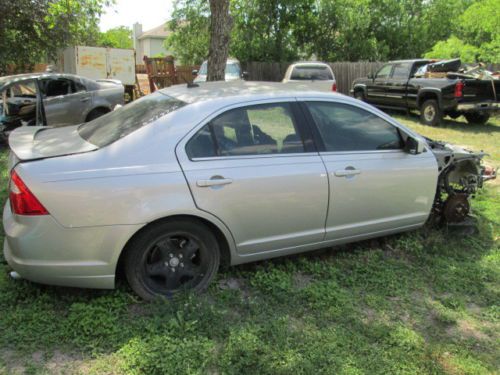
[244, 75]
[194, 72]
[414, 146]
[371, 75]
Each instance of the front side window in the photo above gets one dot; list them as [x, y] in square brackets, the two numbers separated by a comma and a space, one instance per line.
[384, 72]
[112, 126]
[344, 127]
[254, 130]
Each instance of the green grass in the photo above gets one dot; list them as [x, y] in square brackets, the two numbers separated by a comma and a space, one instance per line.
[425, 302]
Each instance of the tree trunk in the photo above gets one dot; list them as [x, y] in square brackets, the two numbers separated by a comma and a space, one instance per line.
[220, 27]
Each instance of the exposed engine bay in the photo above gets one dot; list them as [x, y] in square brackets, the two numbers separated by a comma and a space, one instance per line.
[461, 174]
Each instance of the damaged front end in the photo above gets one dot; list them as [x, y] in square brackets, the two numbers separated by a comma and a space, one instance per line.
[461, 174]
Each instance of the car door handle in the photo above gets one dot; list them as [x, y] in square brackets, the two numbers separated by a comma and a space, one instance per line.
[347, 172]
[214, 182]
[85, 99]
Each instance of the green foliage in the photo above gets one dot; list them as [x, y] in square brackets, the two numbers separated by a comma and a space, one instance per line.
[33, 30]
[164, 355]
[118, 37]
[475, 37]
[343, 30]
[190, 31]
[453, 48]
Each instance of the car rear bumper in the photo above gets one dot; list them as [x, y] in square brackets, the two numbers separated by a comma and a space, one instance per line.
[39, 249]
[486, 106]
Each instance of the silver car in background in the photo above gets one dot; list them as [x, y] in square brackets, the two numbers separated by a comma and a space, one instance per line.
[175, 183]
[232, 73]
[55, 100]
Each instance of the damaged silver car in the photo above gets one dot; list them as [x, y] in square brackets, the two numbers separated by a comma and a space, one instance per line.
[172, 185]
[53, 99]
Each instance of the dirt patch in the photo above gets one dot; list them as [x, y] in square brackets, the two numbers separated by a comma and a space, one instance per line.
[233, 283]
[301, 280]
[466, 329]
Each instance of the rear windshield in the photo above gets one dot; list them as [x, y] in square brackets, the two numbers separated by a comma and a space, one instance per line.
[117, 124]
[311, 72]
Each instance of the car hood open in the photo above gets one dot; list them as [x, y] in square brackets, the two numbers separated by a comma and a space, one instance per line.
[39, 142]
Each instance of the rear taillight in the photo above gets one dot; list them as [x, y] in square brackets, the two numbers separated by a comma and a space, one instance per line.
[22, 200]
[459, 89]
[334, 86]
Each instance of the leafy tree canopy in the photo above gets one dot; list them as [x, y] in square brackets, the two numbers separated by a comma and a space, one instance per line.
[476, 36]
[340, 30]
[33, 30]
[118, 37]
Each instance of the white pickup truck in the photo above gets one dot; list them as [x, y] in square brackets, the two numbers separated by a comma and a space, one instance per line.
[316, 76]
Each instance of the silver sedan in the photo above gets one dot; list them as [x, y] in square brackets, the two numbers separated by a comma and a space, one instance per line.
[180, 181]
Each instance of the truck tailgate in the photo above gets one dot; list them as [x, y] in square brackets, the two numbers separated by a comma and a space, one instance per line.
[480, 90]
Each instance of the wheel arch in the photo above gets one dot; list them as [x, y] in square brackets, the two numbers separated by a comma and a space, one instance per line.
[429, 94]
[220, 236]
[359, 87]
[100, 108]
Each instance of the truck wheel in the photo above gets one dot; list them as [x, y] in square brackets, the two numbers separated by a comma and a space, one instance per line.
[477, 118]
[360, 95]
[430, 114]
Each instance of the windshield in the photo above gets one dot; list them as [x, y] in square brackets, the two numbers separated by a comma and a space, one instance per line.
[311, 72]
[117, 124]
[231, 69]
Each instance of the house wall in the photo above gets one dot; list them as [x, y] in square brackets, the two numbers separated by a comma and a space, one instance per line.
[156, 47]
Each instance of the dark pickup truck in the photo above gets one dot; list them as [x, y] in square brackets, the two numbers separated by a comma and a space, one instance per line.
[403, 85]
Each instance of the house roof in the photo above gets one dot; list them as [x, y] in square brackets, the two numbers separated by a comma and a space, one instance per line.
[159, 32]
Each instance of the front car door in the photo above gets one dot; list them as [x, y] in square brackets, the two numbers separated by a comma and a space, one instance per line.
[20, 105]
[66, 100]
[397, 83]
[375, 186]
[253, 168]
[376, 89]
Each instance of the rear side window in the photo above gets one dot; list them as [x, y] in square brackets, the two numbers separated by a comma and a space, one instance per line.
[348, 128]
[311, 72]
[253, 130]
[117, 124]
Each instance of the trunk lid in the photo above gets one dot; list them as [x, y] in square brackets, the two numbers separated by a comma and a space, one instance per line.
[39, 142]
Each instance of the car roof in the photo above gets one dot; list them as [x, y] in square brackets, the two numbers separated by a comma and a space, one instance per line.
[254, 90]
[309, 63]
[21, 77]
[228, 61]
[411, 61]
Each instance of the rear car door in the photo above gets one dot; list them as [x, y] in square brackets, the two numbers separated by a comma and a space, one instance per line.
[376, 90]
[375, 186]
[253, 168]
[66, 101]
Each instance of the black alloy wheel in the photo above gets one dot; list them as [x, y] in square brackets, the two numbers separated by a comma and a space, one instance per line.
[171, 257]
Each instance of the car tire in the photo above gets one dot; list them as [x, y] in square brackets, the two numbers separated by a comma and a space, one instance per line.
[171, 257]
[477, 118]
[430, 113]
[360, 95]
[95, 113]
